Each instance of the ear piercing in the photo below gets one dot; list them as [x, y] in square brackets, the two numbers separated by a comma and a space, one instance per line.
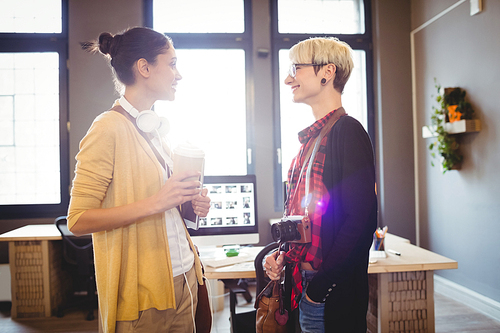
[323, 81]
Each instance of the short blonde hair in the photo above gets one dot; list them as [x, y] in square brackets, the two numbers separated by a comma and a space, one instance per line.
[325, 50]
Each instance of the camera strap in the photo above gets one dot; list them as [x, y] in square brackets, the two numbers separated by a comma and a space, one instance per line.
[309, 159]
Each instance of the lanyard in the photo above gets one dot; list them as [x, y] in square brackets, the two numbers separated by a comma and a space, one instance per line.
[309, 160]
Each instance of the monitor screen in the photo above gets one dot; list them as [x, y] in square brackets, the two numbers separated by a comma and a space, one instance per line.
[232, 218]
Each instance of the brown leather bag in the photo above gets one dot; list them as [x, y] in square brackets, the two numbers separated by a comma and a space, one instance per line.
[203, 317]
[271, 315]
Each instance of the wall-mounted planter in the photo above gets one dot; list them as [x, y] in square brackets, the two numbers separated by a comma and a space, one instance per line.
[447, 123]
[457, 127]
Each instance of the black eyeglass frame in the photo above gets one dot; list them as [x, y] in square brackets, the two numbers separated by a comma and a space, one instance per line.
[292, 71]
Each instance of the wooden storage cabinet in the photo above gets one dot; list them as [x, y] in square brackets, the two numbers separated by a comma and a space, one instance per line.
[401, 302]
[38, 283]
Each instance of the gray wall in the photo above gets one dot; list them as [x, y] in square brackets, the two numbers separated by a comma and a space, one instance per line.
[392, 72]
[459, 211]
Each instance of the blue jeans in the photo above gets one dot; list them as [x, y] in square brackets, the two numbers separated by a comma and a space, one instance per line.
[311, 315]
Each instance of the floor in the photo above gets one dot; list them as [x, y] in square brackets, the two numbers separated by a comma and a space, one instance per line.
[451, 316]
[455, 317]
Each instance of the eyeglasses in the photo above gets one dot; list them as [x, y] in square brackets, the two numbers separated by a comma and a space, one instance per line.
[292, 71]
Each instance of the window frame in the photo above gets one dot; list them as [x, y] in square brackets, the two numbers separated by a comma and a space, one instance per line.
[223, 41]
[362, 41]
[46, 42]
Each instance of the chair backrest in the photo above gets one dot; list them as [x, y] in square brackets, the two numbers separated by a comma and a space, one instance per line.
[261, 277]
[77, 251]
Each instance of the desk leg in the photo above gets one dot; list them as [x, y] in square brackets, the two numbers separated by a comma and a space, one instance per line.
[216, 291]
[46, 278]
[430, 301]
[404, 302]
[13, 281]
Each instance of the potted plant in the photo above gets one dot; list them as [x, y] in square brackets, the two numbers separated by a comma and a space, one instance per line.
[453, 100]
[452, 107]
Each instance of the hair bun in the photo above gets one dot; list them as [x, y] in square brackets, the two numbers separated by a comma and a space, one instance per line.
[105, 40]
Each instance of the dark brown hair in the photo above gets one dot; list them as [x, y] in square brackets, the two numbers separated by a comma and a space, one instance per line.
[126, 48]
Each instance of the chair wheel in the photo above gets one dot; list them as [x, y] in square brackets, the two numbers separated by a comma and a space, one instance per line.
[90, 316]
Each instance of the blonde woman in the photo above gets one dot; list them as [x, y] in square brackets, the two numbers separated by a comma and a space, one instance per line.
[328, 276]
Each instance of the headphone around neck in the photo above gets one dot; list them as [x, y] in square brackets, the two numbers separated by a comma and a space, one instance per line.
[147, 121]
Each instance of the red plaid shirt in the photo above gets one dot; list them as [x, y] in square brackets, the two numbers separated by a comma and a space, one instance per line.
[309, 252]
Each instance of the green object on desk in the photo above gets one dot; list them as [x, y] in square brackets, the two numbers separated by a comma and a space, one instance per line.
[232, 253]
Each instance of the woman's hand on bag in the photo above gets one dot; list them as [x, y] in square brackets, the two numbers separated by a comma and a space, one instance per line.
[177, 191]
[274, 265]
[201, 204]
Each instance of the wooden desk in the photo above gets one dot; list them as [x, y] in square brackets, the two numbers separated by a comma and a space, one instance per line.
[401, 287]
[38, 284]
[244, 270]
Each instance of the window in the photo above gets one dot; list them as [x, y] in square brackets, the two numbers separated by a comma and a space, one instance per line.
[344, 19]
[213, 48]
[194, 16]
[33, 136]
[330, 17]
[31, 16]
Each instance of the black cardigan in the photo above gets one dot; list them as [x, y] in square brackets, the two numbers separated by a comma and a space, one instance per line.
[347, 228]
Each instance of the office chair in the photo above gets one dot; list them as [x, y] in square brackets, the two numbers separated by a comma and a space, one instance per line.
[78, 260]
[245, 322]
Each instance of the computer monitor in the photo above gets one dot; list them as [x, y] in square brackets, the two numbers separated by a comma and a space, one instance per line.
[232, 218]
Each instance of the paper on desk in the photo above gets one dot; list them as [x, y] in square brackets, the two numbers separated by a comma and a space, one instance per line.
[377, 255]
[226, 261]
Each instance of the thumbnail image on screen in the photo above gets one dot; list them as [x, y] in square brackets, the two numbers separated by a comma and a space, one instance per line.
[231, 205]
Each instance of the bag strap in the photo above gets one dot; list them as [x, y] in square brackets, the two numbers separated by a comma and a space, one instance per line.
[280, 295]
[122, 111]
[257, 299]
[277, 290]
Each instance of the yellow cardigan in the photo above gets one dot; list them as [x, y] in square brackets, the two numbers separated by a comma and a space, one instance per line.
[115, 167]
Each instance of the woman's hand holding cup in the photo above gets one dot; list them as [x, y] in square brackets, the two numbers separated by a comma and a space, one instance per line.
[201, 204]
[177, 190]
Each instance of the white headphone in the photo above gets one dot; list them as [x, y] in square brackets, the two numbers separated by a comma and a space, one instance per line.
[147, 121]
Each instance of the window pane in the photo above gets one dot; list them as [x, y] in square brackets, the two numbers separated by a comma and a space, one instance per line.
[321, 16]
[210, 108]
[295, 116]
[199, 16]
[29, 129]
[30, 16]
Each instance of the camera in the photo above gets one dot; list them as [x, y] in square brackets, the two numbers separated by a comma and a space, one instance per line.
[295, 229]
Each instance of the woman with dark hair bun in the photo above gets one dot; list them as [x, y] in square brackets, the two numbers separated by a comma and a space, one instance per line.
[147, 268]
